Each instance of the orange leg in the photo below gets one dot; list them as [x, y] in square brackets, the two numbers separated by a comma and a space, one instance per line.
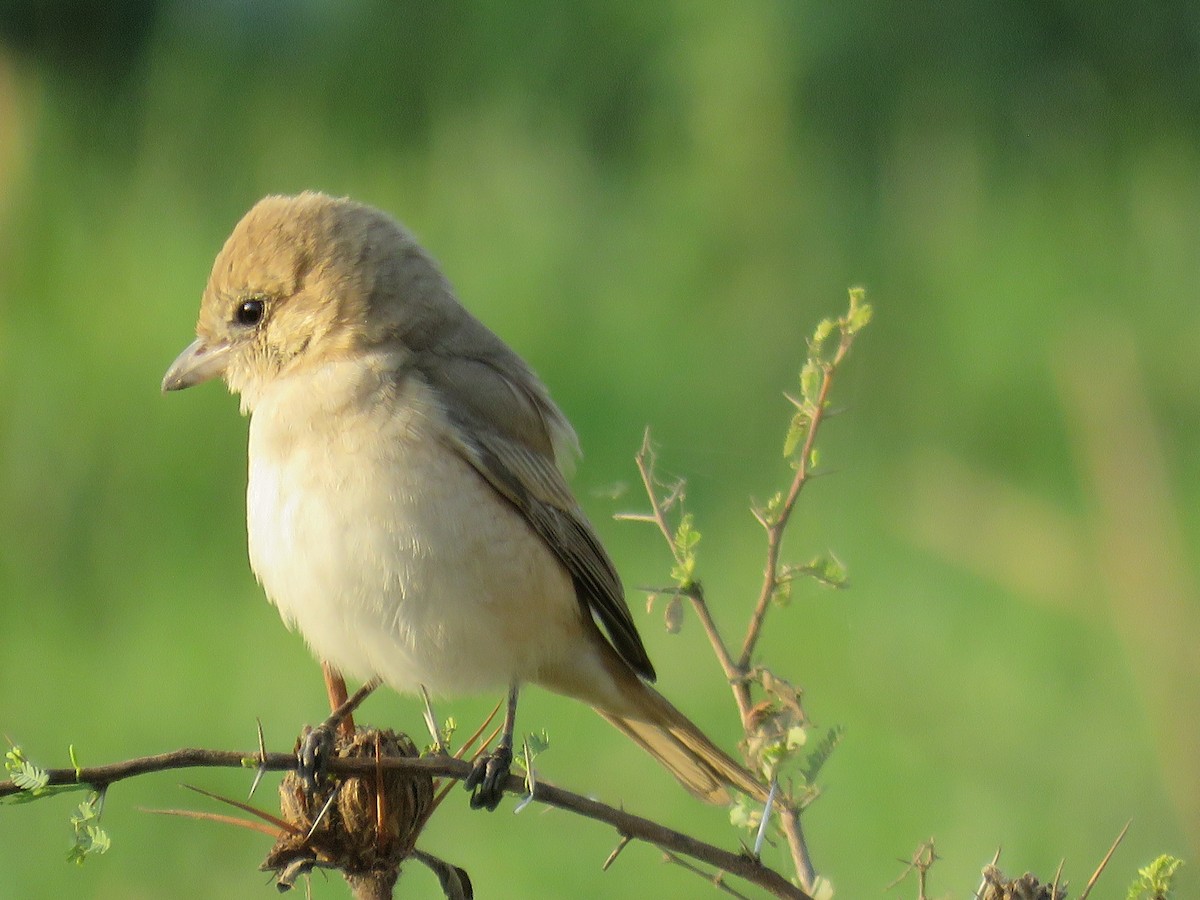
[335, 686]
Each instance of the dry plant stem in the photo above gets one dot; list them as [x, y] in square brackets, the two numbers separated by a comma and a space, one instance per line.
[626, 824]
[797, 845]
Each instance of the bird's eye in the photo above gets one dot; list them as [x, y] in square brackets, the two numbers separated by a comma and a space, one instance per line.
[250, 312]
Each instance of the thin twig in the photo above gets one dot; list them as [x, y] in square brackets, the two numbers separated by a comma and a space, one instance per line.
[645, 466]
[715, 880]
[776, 528]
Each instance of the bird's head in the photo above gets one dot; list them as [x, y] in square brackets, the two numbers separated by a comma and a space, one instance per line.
[304, 280]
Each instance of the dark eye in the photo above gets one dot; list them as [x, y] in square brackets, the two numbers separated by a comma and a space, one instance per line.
[250, 312]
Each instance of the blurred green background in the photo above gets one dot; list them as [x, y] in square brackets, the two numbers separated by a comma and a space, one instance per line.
[654, 204]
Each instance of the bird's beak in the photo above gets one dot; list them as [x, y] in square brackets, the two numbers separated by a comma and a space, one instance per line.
[198, 362]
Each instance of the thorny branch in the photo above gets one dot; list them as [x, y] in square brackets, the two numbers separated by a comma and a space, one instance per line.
[812, 410]
[628, 825]
[776, 525]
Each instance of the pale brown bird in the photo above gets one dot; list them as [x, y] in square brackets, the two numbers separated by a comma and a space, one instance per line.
[407, 509]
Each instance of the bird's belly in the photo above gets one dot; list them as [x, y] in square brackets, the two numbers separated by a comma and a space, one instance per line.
[407, 565]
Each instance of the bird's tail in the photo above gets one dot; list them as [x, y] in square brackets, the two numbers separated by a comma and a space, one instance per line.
[671, 738]
[607, 683]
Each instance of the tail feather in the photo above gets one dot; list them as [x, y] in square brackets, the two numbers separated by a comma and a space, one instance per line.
[702, 767]
[606, 682]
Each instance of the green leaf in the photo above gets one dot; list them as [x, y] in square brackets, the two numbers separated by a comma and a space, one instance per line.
[782, 595]
[827, 570]
[685, 541]
[745, 813]
[810, 381]
[860, 313]
[823, 330]
[686, 537]
[1154, 882]
[537, 741]
[90, 838]
[795, 435]
[29, 777]
[819, 755]
[24, 774]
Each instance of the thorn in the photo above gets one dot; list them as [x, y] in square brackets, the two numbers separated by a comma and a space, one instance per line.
[621, 845]
[261, 769]
[766, 817]
[1104, 862]
[431, 721]
[382, 798]
[983, 882]
[324, 809]
[1057, 877]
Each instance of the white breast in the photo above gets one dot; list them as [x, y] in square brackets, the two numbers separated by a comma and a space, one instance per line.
[387, 550]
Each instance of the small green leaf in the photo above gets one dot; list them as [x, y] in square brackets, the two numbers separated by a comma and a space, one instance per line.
[24, 774]
[745, 813]
[810, 381]
[684, 573]
[797, 736]
[823, 330]
[782, 595]
[1154, 882]
[29, 777]
[90, 838]
[686, 537]
[828, 570]
[860, 312]
[769, 514]
[795, 435]
[685, 541]
[819, 755]
[537, 741]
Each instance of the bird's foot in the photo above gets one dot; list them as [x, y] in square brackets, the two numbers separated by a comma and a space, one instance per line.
[486, 781]
[319, 745]
[316, 749]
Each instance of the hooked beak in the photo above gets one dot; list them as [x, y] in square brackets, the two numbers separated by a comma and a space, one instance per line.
[199, 362]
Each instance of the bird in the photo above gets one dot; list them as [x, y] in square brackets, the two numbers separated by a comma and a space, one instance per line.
[407, 503]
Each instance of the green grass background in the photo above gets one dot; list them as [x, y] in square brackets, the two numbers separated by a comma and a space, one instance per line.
[654, 204]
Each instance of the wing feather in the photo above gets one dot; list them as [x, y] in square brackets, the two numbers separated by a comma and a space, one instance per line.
[510, 431]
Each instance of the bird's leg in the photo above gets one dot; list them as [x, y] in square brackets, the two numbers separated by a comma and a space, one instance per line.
[335, 687]
[486, 781]
[317, 744]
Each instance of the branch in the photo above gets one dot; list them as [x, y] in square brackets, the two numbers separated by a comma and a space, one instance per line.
[778, 524]
[626, 824]
[812, 408]
[658, 515]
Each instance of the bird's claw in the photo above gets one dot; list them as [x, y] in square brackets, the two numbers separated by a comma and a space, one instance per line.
[315, 751]
[486, 781]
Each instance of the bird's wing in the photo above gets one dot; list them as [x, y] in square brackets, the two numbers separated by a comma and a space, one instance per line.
[507, 427]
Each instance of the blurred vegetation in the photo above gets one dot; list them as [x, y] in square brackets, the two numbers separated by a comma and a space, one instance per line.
[653, 203]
